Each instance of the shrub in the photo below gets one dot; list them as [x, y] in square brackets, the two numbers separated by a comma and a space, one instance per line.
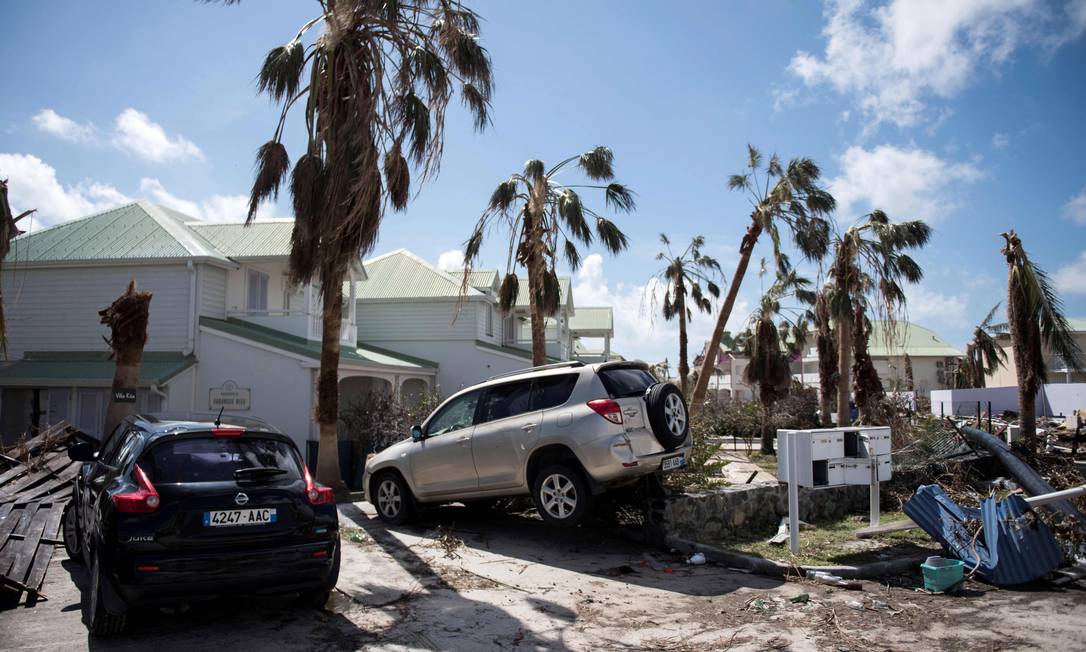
[380, 419]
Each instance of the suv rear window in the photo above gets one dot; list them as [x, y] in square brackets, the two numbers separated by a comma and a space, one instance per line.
[552, 391]
[209, 459]
[626, 381]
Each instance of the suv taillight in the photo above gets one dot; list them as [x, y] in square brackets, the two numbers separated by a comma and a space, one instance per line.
[317, 494]
[143, 500]
[607, 409]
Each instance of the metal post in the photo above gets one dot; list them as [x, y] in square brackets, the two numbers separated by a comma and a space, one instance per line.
[990, 417]
[793, 495]
[874, 494]
[978, 416]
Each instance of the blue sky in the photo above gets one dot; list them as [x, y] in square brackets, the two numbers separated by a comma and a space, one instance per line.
[965, 114]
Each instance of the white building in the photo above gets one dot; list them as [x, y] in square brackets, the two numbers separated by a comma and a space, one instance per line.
[226, 325]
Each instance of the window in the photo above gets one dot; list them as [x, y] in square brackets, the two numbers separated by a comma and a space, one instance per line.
[258, 291]
[490, 321]
[626, 381]
[457, 413]
[504, 401]
[117, 447]
[552, 391]
[206, 459]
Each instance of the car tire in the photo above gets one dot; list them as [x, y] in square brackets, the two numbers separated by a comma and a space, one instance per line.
[392, 498]
[73, 538]
[101, 622]
[668, 414]
[317, 598]
[561, 495]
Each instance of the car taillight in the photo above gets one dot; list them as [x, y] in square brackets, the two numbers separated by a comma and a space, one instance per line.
[227, 432]
[317, 494]
[607, 409]
[143, 500]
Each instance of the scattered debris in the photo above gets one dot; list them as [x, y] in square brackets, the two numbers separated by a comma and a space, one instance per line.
[448, 541]
[696, 559]
[617, 571]
[802, 598]
[830, 579]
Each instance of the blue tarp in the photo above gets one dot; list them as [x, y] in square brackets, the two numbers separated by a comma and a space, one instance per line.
[1014, 547]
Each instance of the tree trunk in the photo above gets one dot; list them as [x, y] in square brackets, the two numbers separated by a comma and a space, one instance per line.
[538, 323]
[536, 269]
[746, 248]
[328, 471]
[684, 367]
[844, 367]
[1027, 419]
[127, 319]
[767, 433]
[867, 387]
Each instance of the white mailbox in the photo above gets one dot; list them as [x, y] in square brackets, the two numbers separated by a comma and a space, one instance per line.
[876, 441]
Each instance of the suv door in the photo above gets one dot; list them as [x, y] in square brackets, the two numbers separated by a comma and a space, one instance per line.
[507, 428]
[441, 463]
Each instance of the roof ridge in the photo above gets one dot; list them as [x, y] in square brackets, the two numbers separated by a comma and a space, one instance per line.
[189, 240]
[266, 220]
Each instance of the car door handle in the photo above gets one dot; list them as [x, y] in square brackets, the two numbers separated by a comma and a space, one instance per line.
[528, 427]
[463, 439]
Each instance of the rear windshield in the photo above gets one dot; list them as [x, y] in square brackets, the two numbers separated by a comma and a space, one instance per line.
[215, 459]
[627, 381]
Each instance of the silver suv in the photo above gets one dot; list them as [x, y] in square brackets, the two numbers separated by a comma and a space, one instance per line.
[562, 433]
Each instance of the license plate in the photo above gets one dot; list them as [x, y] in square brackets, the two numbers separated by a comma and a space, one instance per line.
[674, 462]
[232, 517]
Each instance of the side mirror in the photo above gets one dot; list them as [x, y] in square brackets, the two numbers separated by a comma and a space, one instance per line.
[81, 452]
[416, 433]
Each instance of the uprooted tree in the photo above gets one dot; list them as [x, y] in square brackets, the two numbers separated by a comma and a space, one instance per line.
[127, 319]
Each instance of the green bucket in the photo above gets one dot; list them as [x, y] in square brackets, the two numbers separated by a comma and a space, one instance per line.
[941, 574]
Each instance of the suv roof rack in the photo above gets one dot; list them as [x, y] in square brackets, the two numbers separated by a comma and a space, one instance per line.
[543, 367]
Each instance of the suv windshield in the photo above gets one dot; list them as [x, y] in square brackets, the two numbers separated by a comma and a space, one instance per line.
[626, 381]
[209, 459]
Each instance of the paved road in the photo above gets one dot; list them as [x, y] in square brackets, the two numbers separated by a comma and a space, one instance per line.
[466, 582]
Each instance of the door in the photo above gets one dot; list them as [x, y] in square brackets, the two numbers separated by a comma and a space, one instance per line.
[58, 405]
[441, 462]
[506, 429]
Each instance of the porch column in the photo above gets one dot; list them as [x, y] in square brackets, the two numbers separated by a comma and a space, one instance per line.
[606, 348]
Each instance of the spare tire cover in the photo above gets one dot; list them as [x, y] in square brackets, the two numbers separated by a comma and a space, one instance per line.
[668, 416]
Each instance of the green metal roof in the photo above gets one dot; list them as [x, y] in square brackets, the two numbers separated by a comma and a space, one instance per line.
[137, 231]
[53, 368]
[908, 338]
[360, 354]
[265, 238]
[401, 274]
[1078, 324]
[592, 318]
[522, 291]
[480, 279]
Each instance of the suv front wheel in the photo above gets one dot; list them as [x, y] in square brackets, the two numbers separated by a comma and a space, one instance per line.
[561, 495]
[392, 498]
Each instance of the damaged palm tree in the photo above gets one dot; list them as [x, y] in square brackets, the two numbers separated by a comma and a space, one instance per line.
[866, 386]
[826, 345]
[127, 319]
[983, 356]
[543, 216]
[374, 85]
[9, 230]
[1036, 321]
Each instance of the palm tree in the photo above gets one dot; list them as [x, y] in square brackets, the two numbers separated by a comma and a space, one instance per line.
[983, 356]
[8, 232]
[684, 273]
[778, 195]
[771, 347]
[374, 85]
[1036, 322]
[826, 345]
[542, 216]
[127, 319]
[866, 276]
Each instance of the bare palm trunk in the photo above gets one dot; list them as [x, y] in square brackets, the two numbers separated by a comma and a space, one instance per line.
[767, 433]
[746, 248]
[539, 328]
[844, 367]
[328, 471]
[127, 319]
[1027, 418]
[536, 270]
[684, 367]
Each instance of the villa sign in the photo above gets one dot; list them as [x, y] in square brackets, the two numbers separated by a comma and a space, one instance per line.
[229, 397]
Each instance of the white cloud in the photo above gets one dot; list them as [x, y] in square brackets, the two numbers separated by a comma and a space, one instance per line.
[134, 132]
[1075, 208]
[217, 208]
[640, 331]
[932, 309]
[908, 183]
[451, 261]
[33, 184]
[1000, 140]
[1071, 278]
[896, 57]
[51, 122]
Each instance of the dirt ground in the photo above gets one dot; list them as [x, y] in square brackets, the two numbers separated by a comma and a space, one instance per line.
[459, 581]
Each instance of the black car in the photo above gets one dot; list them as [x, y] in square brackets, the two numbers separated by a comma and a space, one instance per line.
[173, 510]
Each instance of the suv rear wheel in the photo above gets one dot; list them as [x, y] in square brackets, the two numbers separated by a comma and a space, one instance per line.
[561, 495]
[392, 498]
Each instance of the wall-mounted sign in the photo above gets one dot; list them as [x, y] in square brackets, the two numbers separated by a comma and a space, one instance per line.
[124, 395]
[229, 397]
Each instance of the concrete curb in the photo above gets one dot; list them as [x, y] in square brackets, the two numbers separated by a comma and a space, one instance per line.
[764, 566]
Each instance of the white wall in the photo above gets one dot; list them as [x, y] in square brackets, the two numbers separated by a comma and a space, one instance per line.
[1054, 399]
[179, 396]
[461, 363]
[281, 388]
[238, 280]
[211, 293]
[56, 309]
[416, 321]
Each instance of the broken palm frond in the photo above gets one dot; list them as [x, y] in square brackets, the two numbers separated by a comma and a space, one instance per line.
[448, 541]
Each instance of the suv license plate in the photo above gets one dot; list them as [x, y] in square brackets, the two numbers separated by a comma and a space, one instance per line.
[231, 517]
[674, 462]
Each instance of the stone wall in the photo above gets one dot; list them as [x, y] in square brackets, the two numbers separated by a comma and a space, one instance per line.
[721, 513]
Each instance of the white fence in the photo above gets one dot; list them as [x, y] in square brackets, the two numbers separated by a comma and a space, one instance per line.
[1052, 400]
